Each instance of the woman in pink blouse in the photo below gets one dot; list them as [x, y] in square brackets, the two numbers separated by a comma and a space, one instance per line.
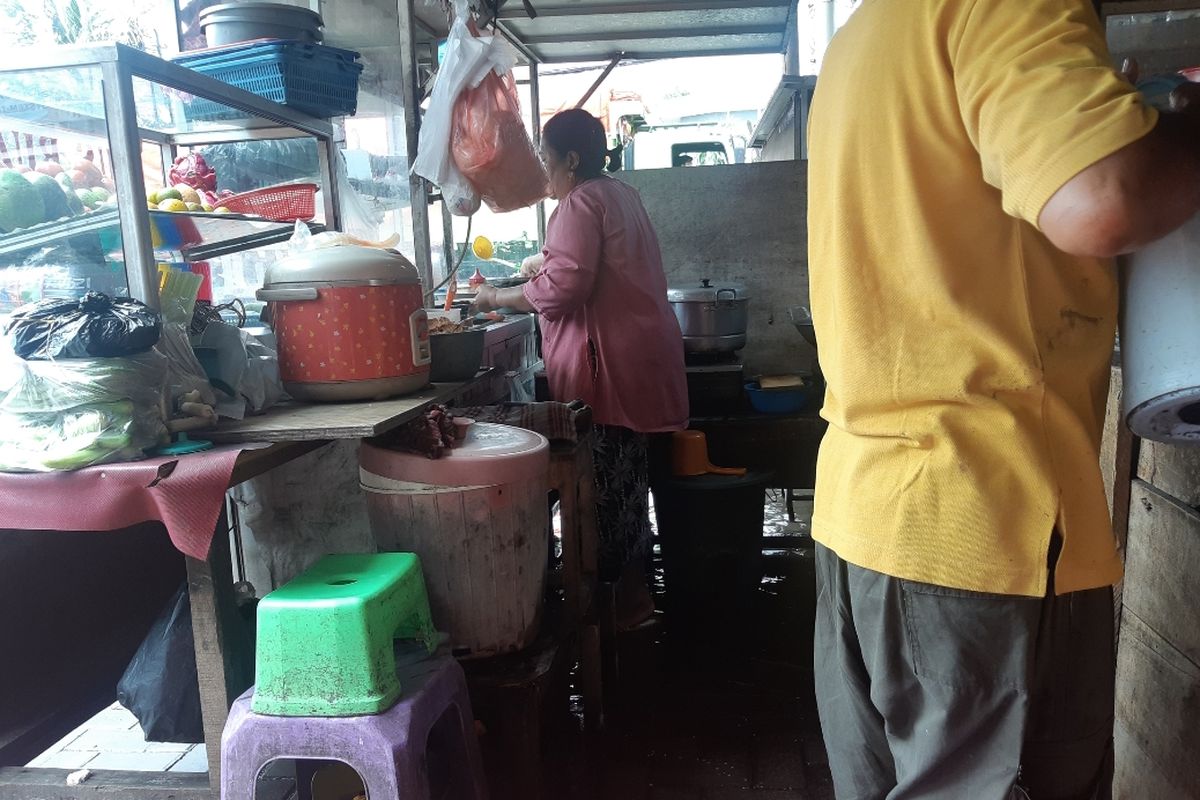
[609, 336]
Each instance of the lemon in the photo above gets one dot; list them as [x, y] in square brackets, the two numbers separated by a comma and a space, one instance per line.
[206, 207]
[169, 194]
[172, 204]
[482, 247]
[152, 198]
[194, 207]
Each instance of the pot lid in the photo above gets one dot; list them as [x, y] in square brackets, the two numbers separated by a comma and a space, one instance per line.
[347, 264]
[491, 455]
[706, 290]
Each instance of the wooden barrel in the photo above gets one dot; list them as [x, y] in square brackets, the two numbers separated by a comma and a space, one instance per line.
[478, 518]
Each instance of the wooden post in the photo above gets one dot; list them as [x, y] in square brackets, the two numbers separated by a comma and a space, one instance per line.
[224, 650]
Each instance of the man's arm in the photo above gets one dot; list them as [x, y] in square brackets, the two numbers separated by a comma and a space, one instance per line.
[1138, 194]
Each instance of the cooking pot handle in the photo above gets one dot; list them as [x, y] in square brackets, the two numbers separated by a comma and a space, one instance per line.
[285, 295]
[731, 294]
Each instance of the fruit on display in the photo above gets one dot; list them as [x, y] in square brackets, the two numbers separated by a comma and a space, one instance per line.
[54, 200]
[192, 170]
[21, 203]
[172, 204]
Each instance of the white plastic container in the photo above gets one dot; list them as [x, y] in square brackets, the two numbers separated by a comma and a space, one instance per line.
[478, 517]
[1160, 337]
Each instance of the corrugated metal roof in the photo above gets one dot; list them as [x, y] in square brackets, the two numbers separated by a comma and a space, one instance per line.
[597, 30]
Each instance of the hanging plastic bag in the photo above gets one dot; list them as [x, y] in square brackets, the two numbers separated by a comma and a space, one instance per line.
[96, 326]
[492, 148]
[468, 59]
[160, 686]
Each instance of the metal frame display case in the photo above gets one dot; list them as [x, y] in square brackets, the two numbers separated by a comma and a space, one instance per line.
[140, 110]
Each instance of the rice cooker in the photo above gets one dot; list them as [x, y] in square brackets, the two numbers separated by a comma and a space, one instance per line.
[711, 316]
[350, 323]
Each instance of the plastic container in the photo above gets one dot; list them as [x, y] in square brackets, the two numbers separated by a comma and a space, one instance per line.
[455, 356]
[318, 80]
[229, 23]
[711, 529]
[283, 203]
[776, 401]
[478, 518]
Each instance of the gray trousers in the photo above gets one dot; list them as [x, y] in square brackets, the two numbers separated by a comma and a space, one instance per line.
[935, 693]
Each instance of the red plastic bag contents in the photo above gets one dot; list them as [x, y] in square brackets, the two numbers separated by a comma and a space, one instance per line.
[491, 147]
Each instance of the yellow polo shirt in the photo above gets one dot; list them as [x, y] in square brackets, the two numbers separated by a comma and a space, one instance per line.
[967, 359]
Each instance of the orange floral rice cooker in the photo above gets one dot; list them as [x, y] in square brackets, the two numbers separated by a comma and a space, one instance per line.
[350, 322]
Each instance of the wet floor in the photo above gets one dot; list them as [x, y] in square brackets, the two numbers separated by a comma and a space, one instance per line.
[709, 714]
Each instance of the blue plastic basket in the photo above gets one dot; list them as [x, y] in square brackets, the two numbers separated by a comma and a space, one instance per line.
[316, 79]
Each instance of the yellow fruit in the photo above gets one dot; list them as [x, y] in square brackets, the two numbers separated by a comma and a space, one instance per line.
[221, 210]
[152, 206]
[194, 207]
[172, 204]
[152, 198]
[187, 194]
[206, 207]
[169, 194]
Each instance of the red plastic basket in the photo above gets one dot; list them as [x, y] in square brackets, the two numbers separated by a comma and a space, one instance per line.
[284, 203]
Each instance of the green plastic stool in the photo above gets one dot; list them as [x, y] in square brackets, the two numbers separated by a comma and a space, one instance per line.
[325, 638]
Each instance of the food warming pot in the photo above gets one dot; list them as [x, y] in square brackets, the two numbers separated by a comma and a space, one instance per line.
[712, 317]
[350, 323]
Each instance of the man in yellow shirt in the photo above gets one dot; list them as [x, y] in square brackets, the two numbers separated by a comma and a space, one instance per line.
[973, 168]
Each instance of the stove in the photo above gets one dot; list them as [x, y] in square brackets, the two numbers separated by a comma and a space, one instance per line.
[715, 383]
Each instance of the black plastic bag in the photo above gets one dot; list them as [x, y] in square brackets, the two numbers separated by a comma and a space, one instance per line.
[96, 326]
[160, 686]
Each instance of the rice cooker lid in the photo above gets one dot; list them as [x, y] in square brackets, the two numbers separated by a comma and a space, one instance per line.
[491, 455]
[706, 290]
[347, 265]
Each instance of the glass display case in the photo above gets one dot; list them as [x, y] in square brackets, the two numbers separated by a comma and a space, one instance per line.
[88, 136]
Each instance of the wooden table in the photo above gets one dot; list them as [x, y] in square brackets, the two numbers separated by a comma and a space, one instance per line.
[224, 653]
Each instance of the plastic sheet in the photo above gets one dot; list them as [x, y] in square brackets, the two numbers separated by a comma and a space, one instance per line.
[73, 413]
[95, 326]
[491, 147]
[160, 686]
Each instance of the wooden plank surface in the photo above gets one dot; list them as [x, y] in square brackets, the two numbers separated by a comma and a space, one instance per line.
[1157, 708]
[1158, 661]
[1162, 559]
[301, 422]
[1172, 468]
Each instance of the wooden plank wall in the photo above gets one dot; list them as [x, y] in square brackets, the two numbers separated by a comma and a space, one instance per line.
[1157, 736]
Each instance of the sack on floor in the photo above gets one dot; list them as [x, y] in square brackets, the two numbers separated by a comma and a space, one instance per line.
[160, 686]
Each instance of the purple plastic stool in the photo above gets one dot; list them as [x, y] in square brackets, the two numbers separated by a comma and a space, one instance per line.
[424, 743]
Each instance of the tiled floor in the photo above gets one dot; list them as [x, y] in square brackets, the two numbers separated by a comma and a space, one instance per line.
[728, 719]
[113, 740]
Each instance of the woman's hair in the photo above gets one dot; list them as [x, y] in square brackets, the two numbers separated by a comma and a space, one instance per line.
[578, 131]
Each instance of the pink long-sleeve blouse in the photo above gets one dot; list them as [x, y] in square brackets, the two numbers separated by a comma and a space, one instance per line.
[609, 336]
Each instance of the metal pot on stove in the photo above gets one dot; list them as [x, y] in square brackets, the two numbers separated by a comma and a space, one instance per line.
[350, 323]
[711, 315]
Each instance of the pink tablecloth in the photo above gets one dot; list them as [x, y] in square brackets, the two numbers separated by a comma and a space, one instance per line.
[185, 493]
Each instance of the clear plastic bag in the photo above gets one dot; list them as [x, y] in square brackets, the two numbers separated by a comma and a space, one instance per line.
[94, 326]
[73, 413]
[492, 148]
[468, 60]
